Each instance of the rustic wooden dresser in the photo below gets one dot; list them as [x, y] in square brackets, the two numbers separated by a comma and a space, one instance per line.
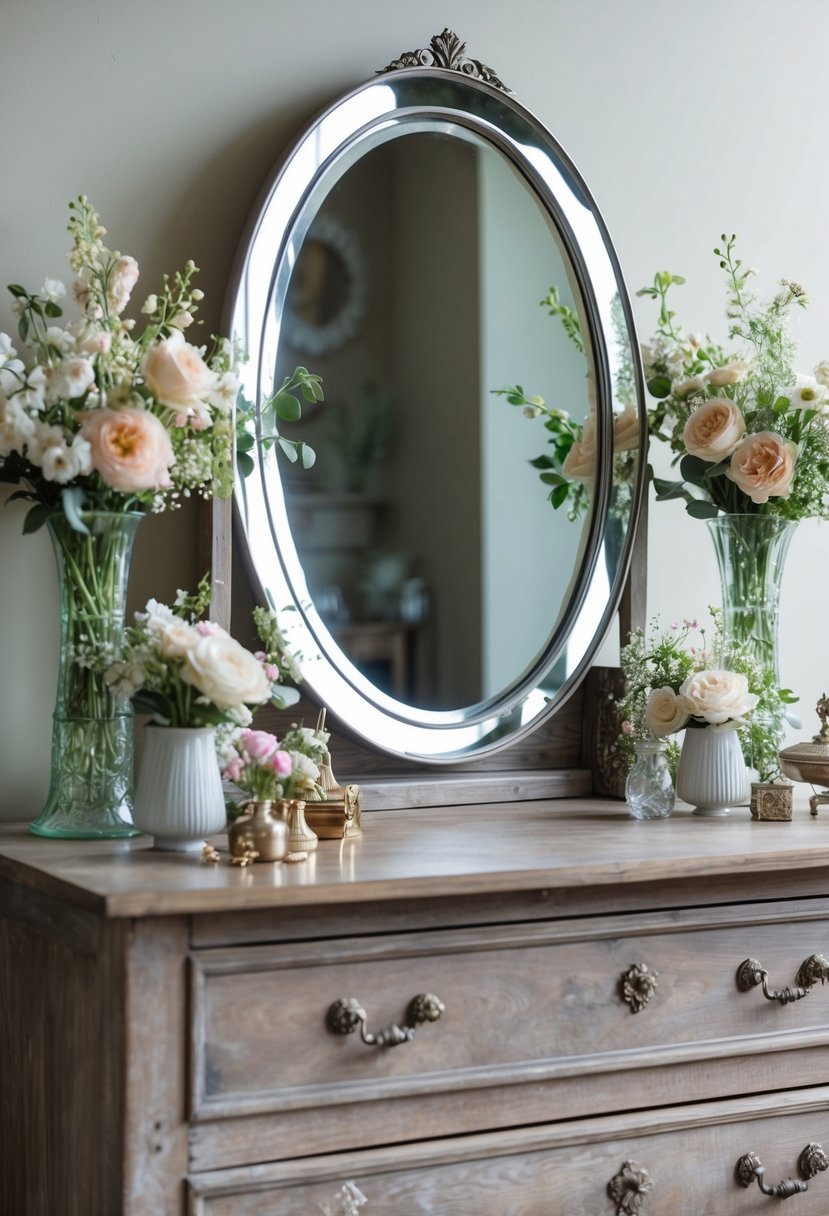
[169, 1038]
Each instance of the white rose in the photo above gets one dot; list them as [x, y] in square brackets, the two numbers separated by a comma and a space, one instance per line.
[663, 713]
[730, 373]
[71, 378]
[16, 426]
[176, 638]
[58, 463]
[176, 374]
[718, 698]
[225, 673]
[822, 373]
[687, 387]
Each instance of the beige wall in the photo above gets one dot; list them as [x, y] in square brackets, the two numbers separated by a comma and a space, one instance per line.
[685, 120]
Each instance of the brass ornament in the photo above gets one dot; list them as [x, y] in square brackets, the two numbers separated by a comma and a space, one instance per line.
[809, 762]
[346, 1014]
[338, 815]
[638, 984]
[750, 1168]
[629, 1189]
[814, 969]
[812, 1161]
[209, 855]
[301, 839]
[259, 833]
[771, 801]
[445, 51]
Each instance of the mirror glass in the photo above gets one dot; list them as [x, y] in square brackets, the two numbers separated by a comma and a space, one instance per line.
[406, 252]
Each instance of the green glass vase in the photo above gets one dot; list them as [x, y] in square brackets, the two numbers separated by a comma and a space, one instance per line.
[91, 786]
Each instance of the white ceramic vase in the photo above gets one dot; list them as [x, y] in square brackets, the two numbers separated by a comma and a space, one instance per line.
[179, 798]
[712, 775]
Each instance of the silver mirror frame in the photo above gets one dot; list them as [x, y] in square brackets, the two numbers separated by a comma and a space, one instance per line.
[456, 103]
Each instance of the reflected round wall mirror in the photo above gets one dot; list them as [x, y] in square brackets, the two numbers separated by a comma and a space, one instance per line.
[442, 605]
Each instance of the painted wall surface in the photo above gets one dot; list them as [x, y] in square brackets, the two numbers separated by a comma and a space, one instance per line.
[685, 120]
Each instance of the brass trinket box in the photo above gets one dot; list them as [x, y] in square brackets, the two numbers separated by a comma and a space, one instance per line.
[809, 762]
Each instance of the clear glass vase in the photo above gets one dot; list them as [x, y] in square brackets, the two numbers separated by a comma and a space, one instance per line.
[649, 791]
[91, 787]
[751, 553]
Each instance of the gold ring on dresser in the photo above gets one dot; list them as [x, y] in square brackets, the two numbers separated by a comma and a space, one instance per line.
[346, 1014]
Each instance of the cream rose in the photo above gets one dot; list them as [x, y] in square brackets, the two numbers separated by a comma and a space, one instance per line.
[714, 430]
[763, 466]
[626, 430]
[122, 279]
[729, 373]
[687, 387]
[176, 374]
[224, 672]
[663, 713]
[717, 698]
[130, 449]
[176, 638]
[580, 462]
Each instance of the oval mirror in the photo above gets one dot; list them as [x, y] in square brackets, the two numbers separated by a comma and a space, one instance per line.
[444, 573]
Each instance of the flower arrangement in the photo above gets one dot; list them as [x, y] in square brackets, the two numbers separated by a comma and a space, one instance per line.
[105, 416]
[673, 685]
[568, 466]
[266, 769]
[749, 432]
[186, 671]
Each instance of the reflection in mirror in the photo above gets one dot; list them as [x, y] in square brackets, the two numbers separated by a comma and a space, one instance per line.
[428, 542]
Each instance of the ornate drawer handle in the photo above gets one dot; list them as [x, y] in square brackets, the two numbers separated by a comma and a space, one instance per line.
[750, 974]
[812, 969]
[810, 1162]
[629, 1189]
[346, 1014]
[637, 985]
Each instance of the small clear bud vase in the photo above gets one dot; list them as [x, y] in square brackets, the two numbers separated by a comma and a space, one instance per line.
[649, 791]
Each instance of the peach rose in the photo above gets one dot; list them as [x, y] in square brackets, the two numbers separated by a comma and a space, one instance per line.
[717, 698]
[176, 374]
[626, 430]
[580, 462]
[714, 430]
[224, 672]
[663, 713]
[130, 449]
[763, 466]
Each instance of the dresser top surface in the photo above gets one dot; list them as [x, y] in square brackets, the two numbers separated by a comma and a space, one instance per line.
[431, 852]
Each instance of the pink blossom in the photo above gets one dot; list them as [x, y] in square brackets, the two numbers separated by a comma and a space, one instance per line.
[283, 764]
[258, 744]
[272, 672]
[628, 728]
[207, 629]
[260, 655]
[234, 768]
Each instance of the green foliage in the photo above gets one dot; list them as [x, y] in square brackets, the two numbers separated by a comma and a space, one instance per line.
[359, 433]
[283, 404]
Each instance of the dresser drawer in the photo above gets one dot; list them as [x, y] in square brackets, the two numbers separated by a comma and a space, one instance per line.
[523, 1003]
[682, 1163]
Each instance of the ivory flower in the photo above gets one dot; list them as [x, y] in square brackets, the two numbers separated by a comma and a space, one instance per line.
[122, 279]
[626, 430]
[224, 672]
[176, 638]
[663, 713]
[695, 385]
[176, 374]
[130, 449]
[717, 698]
[580, 462]
[714, 430]
[729, 373]
[763, 466]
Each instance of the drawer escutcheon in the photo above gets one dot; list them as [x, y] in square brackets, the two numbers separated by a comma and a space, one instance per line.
[629, 1189]
[637, 985]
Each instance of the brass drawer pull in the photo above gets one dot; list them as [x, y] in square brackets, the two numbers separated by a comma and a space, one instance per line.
[629, 1189]
[810, 1162]
[637, 986]
[750, 974]
[812, 969]
[346, 1014]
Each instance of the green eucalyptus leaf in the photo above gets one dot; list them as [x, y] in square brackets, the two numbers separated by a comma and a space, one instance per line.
[245, 441]
[781, 405]
[17, 291]
[36, 518]
[289, 449]
[52, 309]
[284, 698]
[307, 456]
[287, 407]
[156, 704]
[543, 462]
[245, 464]
[553, 479]
[694, 470]
[659, 386]
[559, 495]
[700, 509]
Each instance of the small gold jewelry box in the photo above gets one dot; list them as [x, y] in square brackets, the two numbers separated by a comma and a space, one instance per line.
[339, 815]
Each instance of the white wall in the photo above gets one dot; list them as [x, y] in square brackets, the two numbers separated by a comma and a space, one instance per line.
[686, 120]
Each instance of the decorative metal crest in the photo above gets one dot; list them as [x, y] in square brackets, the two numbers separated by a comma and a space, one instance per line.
[630, 1189]
[638, 984]
[446, 51]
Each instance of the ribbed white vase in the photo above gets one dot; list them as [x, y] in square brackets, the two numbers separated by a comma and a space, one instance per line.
[179, 798]
[712, 775]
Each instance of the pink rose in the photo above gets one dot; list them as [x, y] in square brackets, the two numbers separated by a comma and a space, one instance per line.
[283, 765]
[177, 375]
[626, 430]
[714, 430]
[763, 466]
[130, 449]
[258, 743]
[580, 462]
[234, 768]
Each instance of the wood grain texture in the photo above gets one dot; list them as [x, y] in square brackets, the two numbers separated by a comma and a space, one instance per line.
[559, 1170]
[523, 1002]
[62, 1083]
[560, 845]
